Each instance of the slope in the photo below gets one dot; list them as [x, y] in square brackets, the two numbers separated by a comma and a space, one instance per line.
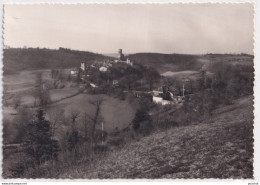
[221, 147]
[167, 62]
[16, 59]
[185, 62]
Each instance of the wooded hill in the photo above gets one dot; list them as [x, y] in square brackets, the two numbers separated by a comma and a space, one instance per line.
[183, 62]
[16, 59]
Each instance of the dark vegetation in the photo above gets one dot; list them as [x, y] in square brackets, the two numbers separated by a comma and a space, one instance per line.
[16, 59]
[167, 62]
[85, 145]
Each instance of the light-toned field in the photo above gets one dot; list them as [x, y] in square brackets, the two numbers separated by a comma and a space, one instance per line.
[184, 73]
[9, 113]
[181, 74]
[116, 113]
[21, 85]
[57, 94]
[22, 81]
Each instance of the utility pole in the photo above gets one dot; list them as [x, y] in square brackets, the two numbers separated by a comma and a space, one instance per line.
[183, 88]
[102, 133]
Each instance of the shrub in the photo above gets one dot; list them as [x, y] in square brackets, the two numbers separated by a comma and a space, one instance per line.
[38, 144]
[141, 115]
[146, 127]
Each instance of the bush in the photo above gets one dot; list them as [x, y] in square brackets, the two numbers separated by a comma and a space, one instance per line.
[141, 115]
[116, 141]
[146, 127]
[99, 149]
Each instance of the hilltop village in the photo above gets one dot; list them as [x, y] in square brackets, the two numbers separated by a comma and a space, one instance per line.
[115, 71]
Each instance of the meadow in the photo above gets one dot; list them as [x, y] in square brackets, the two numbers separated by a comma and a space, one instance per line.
[116, 113]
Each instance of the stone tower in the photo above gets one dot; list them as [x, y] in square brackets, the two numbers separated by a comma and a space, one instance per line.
[121, 55]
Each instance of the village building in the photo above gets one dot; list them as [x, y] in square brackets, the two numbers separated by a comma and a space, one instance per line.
[93, 85]
[74, 72]
[160, 100]
[103, 69]
[115, 82]
[122, 59]
[83, 66]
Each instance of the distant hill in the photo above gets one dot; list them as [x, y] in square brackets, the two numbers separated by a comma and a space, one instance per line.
[114, 55]
[32, 58]
[16, 59]
[184, 62]
[167, 62]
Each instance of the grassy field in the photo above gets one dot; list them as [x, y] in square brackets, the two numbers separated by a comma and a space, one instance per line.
[221, 147]
[22, 81]
[116, 113]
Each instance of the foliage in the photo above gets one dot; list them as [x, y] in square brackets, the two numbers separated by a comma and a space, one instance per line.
[141, 115]
[14, 131]
[16, 102]
[41, 92]
[38, 144]
[151, 76]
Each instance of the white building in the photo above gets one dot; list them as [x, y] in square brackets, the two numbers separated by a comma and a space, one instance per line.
[83, 66]
[160, 100]
[103, 69]
[93, 85]
[73, 72]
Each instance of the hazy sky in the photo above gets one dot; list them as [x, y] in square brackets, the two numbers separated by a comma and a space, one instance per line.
[166, 28]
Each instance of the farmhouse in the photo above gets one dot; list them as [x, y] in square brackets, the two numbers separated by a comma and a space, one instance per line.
[160, 100]
[166, 97]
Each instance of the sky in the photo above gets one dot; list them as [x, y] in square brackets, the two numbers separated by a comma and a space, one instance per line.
[161, 28]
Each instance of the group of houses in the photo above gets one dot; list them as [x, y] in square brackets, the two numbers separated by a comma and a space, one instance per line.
[161, 96]
[165, 97]
[103, 66]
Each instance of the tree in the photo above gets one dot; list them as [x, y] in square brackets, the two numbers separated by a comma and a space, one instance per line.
[141, 115]
[85, 122]
[16, 102]
[73, 137]
[78, 76]
[151, 76]
[38, 144]
[129, 81]
[41, 93]
[56, 118]
[202, 80]
[95, 120]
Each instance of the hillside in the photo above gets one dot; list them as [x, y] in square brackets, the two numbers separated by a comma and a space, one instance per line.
[218, 148]
[167, 62]
[16, 59]
[33, 58]
[184, 62]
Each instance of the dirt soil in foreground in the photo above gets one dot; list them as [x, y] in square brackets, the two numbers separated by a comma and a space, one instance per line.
[221, 147]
